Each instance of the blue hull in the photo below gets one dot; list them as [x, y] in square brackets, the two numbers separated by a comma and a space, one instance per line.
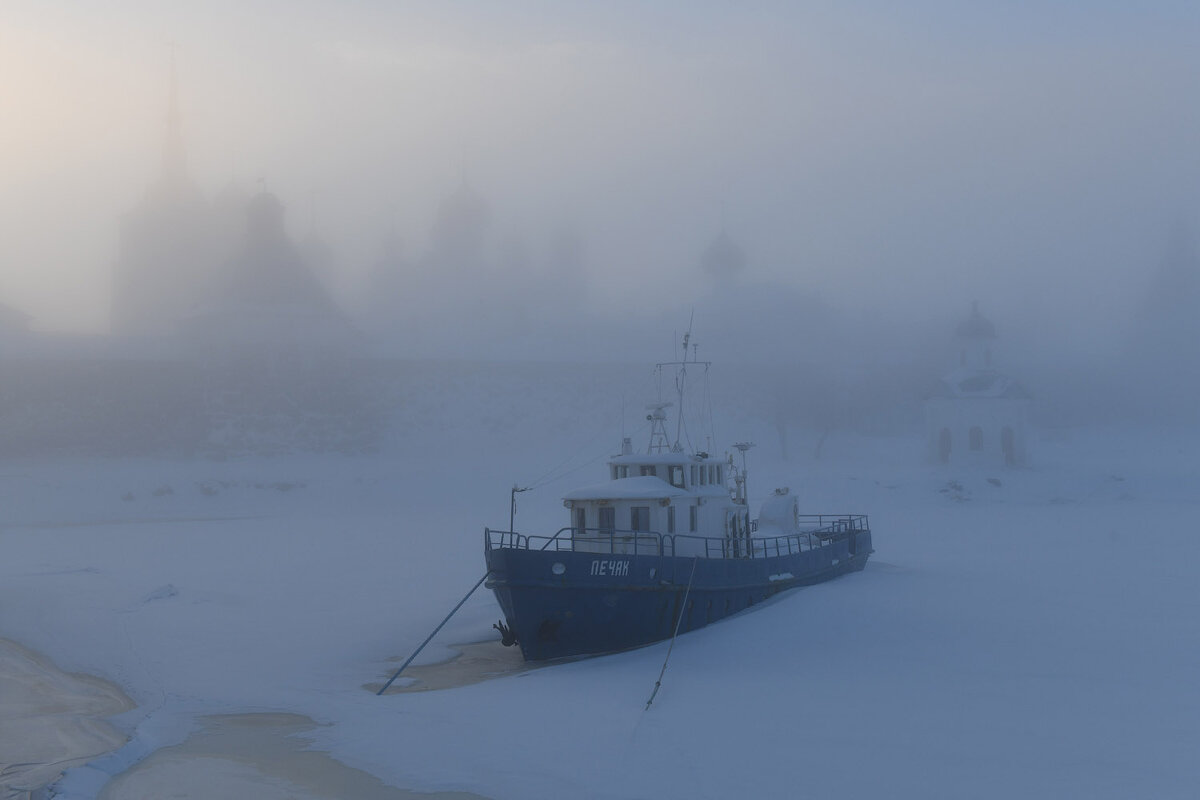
[569, 603]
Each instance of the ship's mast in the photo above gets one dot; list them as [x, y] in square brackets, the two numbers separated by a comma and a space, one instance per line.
[681, 368]
[742, 491]
[680, 381]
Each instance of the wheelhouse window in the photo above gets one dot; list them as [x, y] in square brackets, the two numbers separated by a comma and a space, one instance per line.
[675, 476]
[608, 519]
[703, 476]
[639, 518]
[580, 521]
[649, 470]
[720, 476]
[692, 519]
[694, 479]
[623, 471]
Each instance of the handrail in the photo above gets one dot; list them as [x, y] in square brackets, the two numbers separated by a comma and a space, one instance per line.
[827, 527]
[554, 537]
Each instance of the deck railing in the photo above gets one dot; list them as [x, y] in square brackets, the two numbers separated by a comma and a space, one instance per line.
[815, 530]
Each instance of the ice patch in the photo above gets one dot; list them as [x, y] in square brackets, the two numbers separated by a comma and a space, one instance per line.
[161, 593]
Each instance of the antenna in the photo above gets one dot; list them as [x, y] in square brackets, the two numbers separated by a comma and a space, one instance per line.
[681, 380]
[741, 479]
[687, 336]
[512, 504]
[681, 367]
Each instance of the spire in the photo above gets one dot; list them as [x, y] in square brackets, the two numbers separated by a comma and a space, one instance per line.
[976, 326]
[723, 258]
[174, 160]
[1175, 285]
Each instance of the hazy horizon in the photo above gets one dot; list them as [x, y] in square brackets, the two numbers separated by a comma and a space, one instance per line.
[895, 163]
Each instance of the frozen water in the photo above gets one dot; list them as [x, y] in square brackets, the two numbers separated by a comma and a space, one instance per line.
[1018, 633]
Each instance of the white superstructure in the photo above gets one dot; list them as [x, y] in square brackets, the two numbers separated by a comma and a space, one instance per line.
[665, 490]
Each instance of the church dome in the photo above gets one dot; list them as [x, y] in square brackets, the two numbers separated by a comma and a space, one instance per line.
[723, 257]
[264, 216]
[976, 326]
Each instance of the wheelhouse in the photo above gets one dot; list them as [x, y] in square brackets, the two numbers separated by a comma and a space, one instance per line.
[656, 493]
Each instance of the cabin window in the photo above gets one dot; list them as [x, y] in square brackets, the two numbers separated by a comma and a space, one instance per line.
[622, 471]
[649, 471]
[692, 519]
[580, 521]
[675, 476]
[720, 477]
[671, 518]
[975, 438]
[694, 480]
[703, 476]
[608, 520]
[712, 474]
[639, 518]
[613, 471]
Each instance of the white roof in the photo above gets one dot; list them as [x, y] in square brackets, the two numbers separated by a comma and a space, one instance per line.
[663, 458]
[642, 487]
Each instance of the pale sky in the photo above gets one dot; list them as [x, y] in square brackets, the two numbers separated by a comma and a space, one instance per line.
[885, 156]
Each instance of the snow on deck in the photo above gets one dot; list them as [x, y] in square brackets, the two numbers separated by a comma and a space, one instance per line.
[641, 487]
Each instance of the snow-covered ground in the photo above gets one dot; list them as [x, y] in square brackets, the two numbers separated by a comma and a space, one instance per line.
[1031, 635]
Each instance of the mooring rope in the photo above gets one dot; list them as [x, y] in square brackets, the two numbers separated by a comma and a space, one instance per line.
[564, 469]
[435, 630]
[682, 608]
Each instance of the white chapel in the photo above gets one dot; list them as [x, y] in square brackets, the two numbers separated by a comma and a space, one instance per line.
[977, 415]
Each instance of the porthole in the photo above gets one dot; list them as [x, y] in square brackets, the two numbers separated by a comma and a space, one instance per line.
[558, 568]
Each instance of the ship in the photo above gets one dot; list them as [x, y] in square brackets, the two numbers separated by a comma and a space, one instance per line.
[664, 546]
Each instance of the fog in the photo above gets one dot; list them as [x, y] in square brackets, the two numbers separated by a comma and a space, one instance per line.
[826, 187]
[296, 297]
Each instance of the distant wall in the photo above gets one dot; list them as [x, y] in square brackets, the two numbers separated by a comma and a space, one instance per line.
[133, 407]
[101, 404]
